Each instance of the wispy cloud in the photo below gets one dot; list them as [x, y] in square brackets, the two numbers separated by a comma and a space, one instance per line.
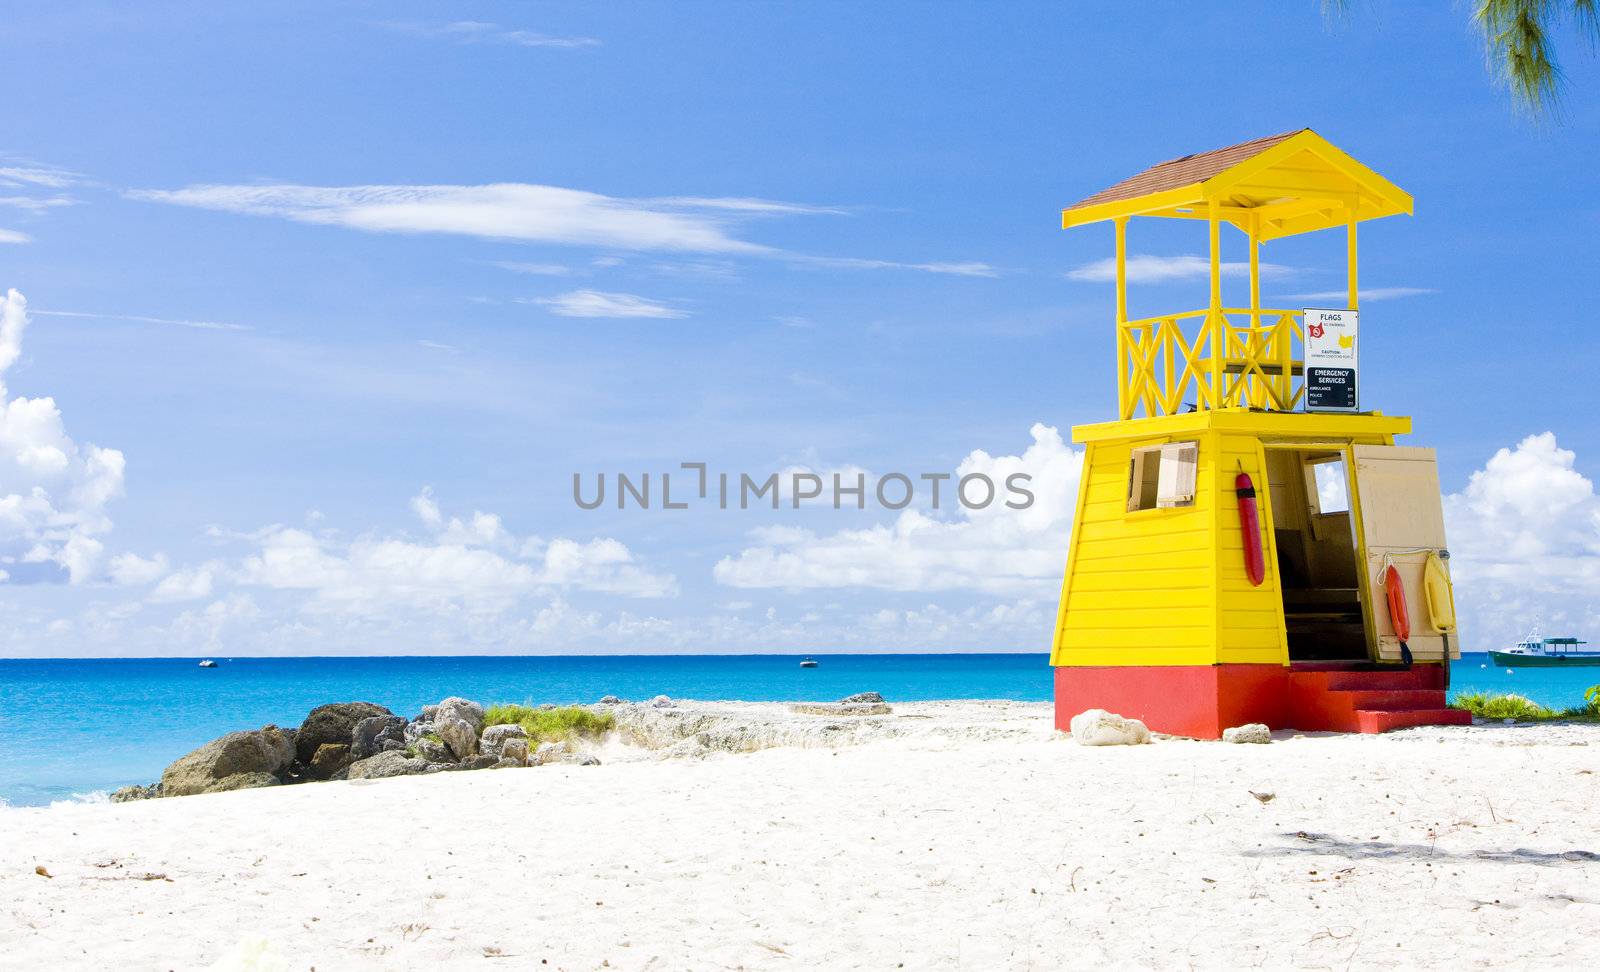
[534, 213]
[439, 346]
[953, 268]
[596, 303]
[1374, 293]
[34, 189]
[36, 204]
[1146, 268]
[508, 211]
[479, 32]
[758, 207]
[142, 319]
[39, 176]
[537, 269]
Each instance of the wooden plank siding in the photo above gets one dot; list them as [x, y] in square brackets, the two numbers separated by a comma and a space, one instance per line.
[1139, 587]
[1250, 625]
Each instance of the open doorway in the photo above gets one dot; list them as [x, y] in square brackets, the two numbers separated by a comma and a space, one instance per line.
[1315, 540]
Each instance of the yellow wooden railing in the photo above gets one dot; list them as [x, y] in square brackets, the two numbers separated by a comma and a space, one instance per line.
[1238, 358]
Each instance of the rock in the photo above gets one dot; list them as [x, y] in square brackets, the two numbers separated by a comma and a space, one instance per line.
[860, 697]
[427, 714]
[609, 700]
[417, 729]
[506, 762]
[244, 781]
[585, 759]
[550, 752]
[332, 723]
[1097, 727]
[661, 702]
[458, 734]
[256, 754]
[432, 750]
[128, 794]
[506, 741]
[375, 734]
[330, 758]
[475, 763]
[840, 708]
[386, 764]
[463, 709]
[1253, 732]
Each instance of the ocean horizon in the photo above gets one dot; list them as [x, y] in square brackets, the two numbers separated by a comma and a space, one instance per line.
[76, 729]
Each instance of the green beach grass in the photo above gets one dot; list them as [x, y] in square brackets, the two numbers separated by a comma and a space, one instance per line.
[1509, 705]
[550, 725]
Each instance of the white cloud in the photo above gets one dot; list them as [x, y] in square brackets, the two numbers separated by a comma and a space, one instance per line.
[1373, 293]
[191, 584]
[143, 319]
[506, 211]
[529, 212]
[28, 181]
[1145, 268]
[995, 550]
[130, 568]
[37, 204]
[950, 268]
[595, 303]
[539, 269]
[36, 176]
[477, 31]
[1525, 542]
[467, 564]
[53, 492]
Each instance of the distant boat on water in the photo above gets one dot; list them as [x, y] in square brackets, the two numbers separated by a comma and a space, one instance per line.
[808, 663]
[207, 663]
[1536, 652]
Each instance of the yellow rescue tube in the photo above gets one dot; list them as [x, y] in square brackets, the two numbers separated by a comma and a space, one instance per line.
[1436, 592]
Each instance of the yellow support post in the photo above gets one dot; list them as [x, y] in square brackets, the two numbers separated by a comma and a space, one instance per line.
[1259, 340]
[1350, 252]
[1219, 333]
[1124, 406]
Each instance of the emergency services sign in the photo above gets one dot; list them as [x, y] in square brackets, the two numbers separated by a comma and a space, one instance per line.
[1331, 361]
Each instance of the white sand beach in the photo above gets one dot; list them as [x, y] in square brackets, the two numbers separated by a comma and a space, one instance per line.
[951, 836]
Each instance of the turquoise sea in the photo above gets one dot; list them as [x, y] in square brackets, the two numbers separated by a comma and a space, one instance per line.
[70, 729]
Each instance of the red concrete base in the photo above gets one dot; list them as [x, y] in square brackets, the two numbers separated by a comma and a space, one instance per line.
[1184, 700]
[1203, 700]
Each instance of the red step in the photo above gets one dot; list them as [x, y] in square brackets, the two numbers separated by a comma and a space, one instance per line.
[1350, 699]
[1382, 720]
[1391, 699]
[1419, 677]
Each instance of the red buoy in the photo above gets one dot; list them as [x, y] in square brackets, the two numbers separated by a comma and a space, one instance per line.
[1255, 564]
[1398, 616]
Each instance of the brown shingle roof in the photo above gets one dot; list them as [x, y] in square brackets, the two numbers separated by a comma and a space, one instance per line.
[1184, 171]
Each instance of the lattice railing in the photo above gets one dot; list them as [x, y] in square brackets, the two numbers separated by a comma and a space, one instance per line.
[1237, 357]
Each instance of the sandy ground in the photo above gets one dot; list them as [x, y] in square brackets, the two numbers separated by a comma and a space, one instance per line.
[968, 838]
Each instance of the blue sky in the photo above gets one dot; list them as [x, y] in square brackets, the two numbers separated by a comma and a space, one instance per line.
[767, 237]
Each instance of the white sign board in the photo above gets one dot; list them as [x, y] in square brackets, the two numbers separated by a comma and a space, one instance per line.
[1331, 361]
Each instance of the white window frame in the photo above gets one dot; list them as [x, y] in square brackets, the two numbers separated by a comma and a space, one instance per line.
[1176, 475]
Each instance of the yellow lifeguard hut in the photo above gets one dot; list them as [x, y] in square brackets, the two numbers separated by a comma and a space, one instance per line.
[1180, 608]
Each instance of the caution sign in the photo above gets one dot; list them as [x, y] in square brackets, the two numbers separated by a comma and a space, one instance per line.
[1331, 361]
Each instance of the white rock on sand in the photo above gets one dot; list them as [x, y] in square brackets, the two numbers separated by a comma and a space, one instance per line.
[951, 836]
[1097, 727]
[1251, 732]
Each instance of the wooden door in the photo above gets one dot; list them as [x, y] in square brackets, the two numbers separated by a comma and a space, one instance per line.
[1402, 518]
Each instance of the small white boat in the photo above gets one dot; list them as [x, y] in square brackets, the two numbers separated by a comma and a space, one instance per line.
[808, 663]
[207, 663]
